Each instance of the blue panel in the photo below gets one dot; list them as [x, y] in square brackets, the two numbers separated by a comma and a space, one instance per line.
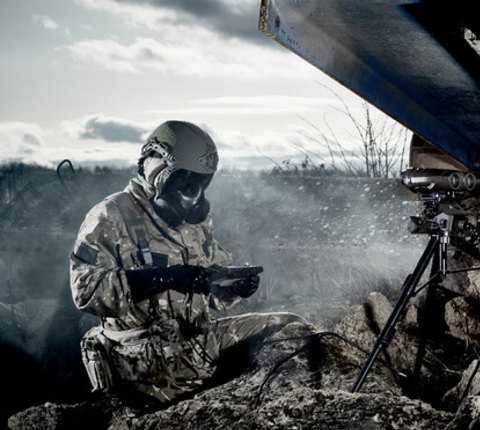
[409, 58]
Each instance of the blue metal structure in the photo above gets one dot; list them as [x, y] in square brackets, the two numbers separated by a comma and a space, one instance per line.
[418, 61]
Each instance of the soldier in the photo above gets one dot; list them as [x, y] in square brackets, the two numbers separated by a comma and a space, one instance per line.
[142, 262]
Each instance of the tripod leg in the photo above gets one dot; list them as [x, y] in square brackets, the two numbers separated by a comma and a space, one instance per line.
[408, 289]
[431, 322]
[425, 321]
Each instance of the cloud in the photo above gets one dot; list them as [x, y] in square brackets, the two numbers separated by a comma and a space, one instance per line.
[106, 54]
[132, 14]
[12, 133]
[196, 54]
[29, 142]
[268, 105]
[22, 141]
[233, 144]
[201, 38]
[105, 128]
[111, 131]
[238, 19]
[237, 148]
[101, 140]
[31, 139]
[48, 23]
[231, 18]
[86, 27]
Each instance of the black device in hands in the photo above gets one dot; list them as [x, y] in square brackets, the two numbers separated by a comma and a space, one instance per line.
[235, 281]
[233, 273]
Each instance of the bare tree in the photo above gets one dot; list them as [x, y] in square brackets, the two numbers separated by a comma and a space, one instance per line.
[377, 147]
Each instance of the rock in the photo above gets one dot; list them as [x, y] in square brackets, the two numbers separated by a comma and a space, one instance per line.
[364, 323]
[299, 379]
[467, 416]
[96, 413]
[468, 386]
[473, 286]
[51, 416]
[462, 316]
[303, 408]
[379, 310]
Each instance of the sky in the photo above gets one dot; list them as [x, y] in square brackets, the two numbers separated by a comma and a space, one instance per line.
[88, 80]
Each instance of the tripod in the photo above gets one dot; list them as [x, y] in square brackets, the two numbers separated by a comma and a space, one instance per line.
[435, 252]
[446, 219]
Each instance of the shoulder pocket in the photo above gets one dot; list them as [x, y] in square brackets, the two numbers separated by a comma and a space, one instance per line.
[87, 254]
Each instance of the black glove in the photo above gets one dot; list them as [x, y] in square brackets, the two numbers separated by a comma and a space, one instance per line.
[245, 287]
[145, 283]
[239, 288]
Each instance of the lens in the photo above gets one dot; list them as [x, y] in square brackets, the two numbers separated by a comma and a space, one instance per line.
[454, 181]
[470, 181]
[414, 225]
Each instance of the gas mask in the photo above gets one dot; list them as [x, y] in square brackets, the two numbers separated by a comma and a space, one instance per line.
[183, 198]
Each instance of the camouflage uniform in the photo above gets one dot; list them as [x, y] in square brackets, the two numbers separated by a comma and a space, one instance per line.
[168, 344]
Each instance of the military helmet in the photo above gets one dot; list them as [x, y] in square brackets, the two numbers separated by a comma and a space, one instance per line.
[183, 146]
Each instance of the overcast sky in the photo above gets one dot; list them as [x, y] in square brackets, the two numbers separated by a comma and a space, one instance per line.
[88, 79]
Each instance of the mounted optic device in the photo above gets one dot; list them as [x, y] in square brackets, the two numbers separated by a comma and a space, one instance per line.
[444, 185]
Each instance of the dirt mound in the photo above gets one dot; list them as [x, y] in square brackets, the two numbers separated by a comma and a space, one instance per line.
[301, 379]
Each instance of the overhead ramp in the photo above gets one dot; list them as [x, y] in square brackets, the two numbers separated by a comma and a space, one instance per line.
[418, 61]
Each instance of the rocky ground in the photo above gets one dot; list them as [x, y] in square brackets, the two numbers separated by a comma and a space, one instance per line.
[301, 379]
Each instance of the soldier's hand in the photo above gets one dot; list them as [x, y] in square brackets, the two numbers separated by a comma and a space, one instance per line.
[190, 279]
[245, 287]
[145, 283]
[238, 288]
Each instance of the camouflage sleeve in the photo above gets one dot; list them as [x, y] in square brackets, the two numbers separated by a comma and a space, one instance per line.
[97, 281]
[219, 257]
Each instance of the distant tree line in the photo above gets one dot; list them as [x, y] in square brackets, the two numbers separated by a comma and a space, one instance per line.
[17, 178]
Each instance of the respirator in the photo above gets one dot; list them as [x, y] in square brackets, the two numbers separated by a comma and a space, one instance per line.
[182, 199]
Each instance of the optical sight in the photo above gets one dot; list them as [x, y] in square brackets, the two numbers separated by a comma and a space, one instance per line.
[426, 180]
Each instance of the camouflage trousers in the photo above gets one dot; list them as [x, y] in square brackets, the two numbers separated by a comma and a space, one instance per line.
[163, 364]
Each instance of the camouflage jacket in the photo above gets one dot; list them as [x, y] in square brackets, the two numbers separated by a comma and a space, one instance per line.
[105, 248]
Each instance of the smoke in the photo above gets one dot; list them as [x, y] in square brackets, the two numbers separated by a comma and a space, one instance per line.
[324, 242]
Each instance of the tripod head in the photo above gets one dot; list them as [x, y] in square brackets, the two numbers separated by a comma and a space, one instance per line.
[444, 194]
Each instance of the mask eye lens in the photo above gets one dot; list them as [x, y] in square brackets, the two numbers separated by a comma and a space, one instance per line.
[190, 188]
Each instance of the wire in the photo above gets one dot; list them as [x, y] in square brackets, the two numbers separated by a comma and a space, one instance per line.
[274, 369]
[309, 338]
